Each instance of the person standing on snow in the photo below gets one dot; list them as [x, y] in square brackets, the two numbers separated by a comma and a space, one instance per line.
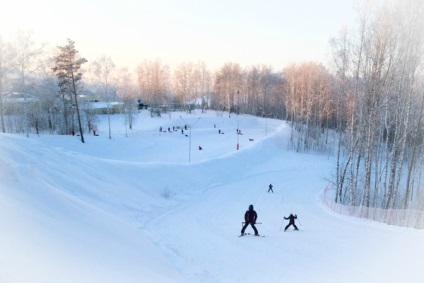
[291, 222]
[250, 218]
[270, 188]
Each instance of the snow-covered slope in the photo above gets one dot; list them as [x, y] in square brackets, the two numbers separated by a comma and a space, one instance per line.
[134, 209]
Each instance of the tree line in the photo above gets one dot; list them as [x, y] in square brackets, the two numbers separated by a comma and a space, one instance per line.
[366, 106]
[379, 106]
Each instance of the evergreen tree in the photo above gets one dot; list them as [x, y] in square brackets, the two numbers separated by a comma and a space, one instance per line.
[67, 70]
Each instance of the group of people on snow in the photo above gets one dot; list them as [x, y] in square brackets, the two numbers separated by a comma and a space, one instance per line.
[251, 216]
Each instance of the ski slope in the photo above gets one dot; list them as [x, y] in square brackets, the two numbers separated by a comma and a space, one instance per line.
[148, 206]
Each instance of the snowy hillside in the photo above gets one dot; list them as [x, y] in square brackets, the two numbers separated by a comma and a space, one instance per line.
[134, 209]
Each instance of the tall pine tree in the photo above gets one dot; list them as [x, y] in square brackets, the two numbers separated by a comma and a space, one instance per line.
[67, 69]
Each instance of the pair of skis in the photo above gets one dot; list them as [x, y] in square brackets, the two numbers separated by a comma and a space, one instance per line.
[248, 234]
[245, 234]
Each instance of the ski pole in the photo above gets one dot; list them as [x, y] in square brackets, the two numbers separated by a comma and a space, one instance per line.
[242, 223]
[299, 222]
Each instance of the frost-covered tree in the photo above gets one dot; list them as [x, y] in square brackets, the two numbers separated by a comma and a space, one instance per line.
[227, 86]
[103, 70]
[6, 61]
[310, 105]
[154, 82]
[128, 92]
[184, 85]
[26, 64]
[379, 69]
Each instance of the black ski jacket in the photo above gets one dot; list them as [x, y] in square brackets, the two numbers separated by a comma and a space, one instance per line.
[250, 216]
[291, 218]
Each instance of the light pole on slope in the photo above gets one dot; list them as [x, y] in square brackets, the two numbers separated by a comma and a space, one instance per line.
[238, 131]
[189, 139]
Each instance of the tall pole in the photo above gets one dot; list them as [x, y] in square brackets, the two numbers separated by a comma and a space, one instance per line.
[189, 138]
[238, 130]
[189, 146]
[238, 127]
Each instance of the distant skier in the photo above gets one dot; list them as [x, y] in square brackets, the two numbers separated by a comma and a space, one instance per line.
[270, 188]
[291, 222]
[250, 218]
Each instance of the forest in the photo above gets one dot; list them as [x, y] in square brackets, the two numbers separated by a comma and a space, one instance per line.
[365, 106]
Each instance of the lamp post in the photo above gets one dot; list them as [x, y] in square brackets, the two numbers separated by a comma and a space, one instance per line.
[238, 132]
[238, 127]
[189, 139]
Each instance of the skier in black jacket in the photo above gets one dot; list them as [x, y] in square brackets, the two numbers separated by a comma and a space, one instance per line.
[250, 218]
[291, 222]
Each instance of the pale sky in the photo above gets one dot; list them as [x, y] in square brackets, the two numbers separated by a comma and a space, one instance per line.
[248, 32]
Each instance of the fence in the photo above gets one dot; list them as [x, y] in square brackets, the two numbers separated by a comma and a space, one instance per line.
[399, 217]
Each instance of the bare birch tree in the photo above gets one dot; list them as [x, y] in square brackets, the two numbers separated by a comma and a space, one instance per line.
[184, 85]
[309, 106]
[128, 92]
[103, 70]
[383, 126]
[203, 84]
[228, 82]
[26, 63]
[6, 61]
[154, 82]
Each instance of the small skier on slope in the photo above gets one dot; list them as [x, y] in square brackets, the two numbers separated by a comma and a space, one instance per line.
[250, 218]
[291, 222]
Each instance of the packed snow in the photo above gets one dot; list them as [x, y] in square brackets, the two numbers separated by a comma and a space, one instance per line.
[150, 206]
